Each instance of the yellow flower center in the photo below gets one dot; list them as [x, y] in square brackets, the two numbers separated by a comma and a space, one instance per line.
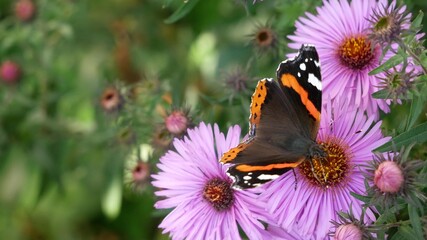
[329, 171]
[356, 52]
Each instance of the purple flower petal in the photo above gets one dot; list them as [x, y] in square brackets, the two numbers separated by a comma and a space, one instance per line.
[182, 178]
[308, 209]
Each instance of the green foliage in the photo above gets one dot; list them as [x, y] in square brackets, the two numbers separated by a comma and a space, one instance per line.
[65, 162]
[417, 134]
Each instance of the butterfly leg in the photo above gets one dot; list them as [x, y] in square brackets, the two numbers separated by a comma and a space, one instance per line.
[296, 180]
[314, 172]
[321, 159]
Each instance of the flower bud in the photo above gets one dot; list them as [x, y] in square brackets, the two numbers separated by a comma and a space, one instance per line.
[177, 122]
[10, 72]
[348, 232]
[388, 177]
[25, 10]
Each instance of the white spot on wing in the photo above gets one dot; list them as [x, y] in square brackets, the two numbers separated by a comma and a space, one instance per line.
[315, 81]
[317, 63]
[247, 177]
[302, 67]
[299, 74]
[268, 176]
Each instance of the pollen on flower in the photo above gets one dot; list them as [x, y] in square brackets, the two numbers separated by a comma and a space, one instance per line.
[388, 177]
[332, 169]
[356, 52]
[219, 193]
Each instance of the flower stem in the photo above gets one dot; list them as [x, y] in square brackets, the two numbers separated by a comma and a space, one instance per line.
[412, 54]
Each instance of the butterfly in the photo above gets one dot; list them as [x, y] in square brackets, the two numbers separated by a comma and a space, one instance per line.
[283, 123]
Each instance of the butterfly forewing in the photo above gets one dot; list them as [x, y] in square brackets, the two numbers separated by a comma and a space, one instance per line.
[283, 123]
[300, 79]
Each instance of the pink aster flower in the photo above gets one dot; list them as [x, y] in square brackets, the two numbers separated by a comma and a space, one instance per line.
[340, 31]
[307, 206]
[193, 182]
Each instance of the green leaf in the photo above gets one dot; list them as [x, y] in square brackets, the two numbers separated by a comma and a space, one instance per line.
[391, 62]
[416, 24]
[384, 94]
[404, 232]
[185, 8]
[415, 221]
[417, 134]
[360, 197]
[417, 107]
[381, 94]
[389, 215]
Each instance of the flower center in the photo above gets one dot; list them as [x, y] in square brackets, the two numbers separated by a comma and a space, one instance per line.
[140, 172]
[111, 99]
[219, 193]
[328, 171]
[356, 52]
[264, 37]
[382, 24]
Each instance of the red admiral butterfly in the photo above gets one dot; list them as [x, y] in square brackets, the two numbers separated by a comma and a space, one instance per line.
[283, 123]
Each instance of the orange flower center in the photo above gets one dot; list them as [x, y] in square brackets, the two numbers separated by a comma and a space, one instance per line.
[327, 171]
[356, 52]
[219, 193]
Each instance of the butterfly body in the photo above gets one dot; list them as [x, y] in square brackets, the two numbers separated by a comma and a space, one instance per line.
[283, 124]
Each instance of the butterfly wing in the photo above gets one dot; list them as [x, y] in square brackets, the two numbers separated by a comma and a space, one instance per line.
[277, 146]
[300, 79]
[282, 128]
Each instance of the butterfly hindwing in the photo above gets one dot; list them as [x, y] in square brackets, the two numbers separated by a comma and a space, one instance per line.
[249, 176]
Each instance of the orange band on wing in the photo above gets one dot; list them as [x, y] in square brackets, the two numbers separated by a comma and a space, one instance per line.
[258, 99]
[290, 81]
[232, 153]
[250, 168]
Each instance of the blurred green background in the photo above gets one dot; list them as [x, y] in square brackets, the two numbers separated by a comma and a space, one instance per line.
[66, 163]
